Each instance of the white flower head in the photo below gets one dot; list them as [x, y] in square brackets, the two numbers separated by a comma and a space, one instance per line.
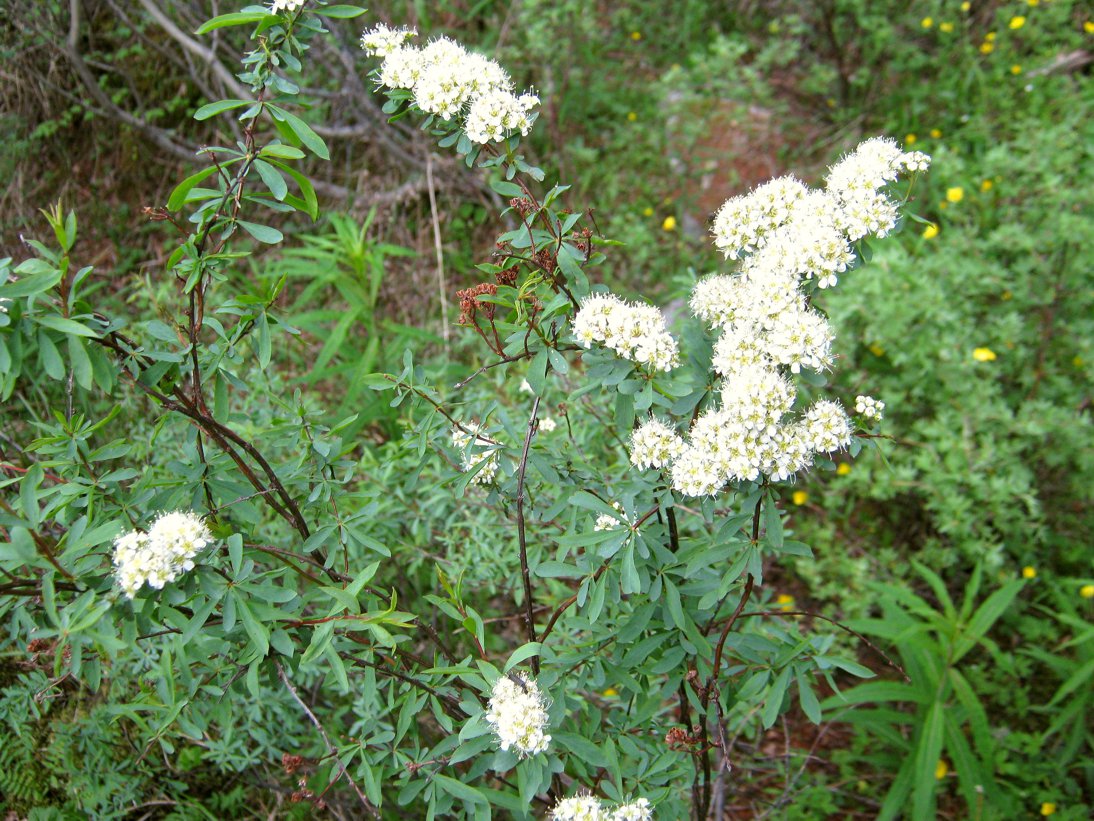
[382, 40]
[579, 808]
[606, 521]
[159, 556]
[476, 450]
[637, 810]
[517, 713]
[547, 424]
[655, 444]
[634, 332]
[827, 428]
[286, 6]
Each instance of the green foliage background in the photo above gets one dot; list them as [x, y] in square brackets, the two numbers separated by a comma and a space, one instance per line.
[919, 548]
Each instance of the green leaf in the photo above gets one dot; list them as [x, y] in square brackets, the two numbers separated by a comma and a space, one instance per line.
[507, 189]
[522, 653]
[237, 18]
[178, 196]
[257, 631]
[583, 748]
[80, 361]
[988, 613]
[807, 698]
[773, 702]
[340, 11]
[212, 109]
[302, 130]
[282, 151]
[928, 752]
[263, 233]
[66, 326]
[307, 190]
[274, 181]
[464, 792]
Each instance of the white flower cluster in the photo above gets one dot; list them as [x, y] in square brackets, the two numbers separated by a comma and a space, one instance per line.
[466, 441]
[383, 40]
[857, 184]
[547, 424]
[518, 715]
[783, 233]
[451, 82]
[786, 228]
[654, 444]
[869, 407]
[590, 808]
[635, 332]
[162, 554]
[279, 6]
[606, 521]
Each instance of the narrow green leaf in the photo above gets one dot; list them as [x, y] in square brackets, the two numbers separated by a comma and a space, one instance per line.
[66, 326]
[212, 109]
[263, 233]
[237, 18]
[303, 131]
[274, 181]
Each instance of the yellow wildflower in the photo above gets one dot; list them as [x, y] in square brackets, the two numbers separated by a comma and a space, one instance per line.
[936, 133]
[1048, 808]
[986, 48]
[990, 37]
[1088, 27]
[955, 194]
[940, 769]
[986, 186]
[843, 469]
[927, 22]
[669, 224]
[647, 211]
[1016, 69]
[1016, 22]
[1033, 2]
[983, 355]
[1006, 296]
[930, 232]
[1087, 591]
[831, 102]
[966, 6]
[800, 497]
[631, 116]
[946, 28]
[610, 692]
[877, 350]
[784, 601]
[1029, 572]
[909, 139]
[636, 35]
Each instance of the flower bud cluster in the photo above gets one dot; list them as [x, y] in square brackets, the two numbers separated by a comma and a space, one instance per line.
[517, 713]
[635, 332]
[452, 83]
[869, 407]
[589, 808]
[472, 454]
[162, 554]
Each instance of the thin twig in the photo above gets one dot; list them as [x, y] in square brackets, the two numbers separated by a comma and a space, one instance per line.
[442, 286]
[521, 535]
[371, 810]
